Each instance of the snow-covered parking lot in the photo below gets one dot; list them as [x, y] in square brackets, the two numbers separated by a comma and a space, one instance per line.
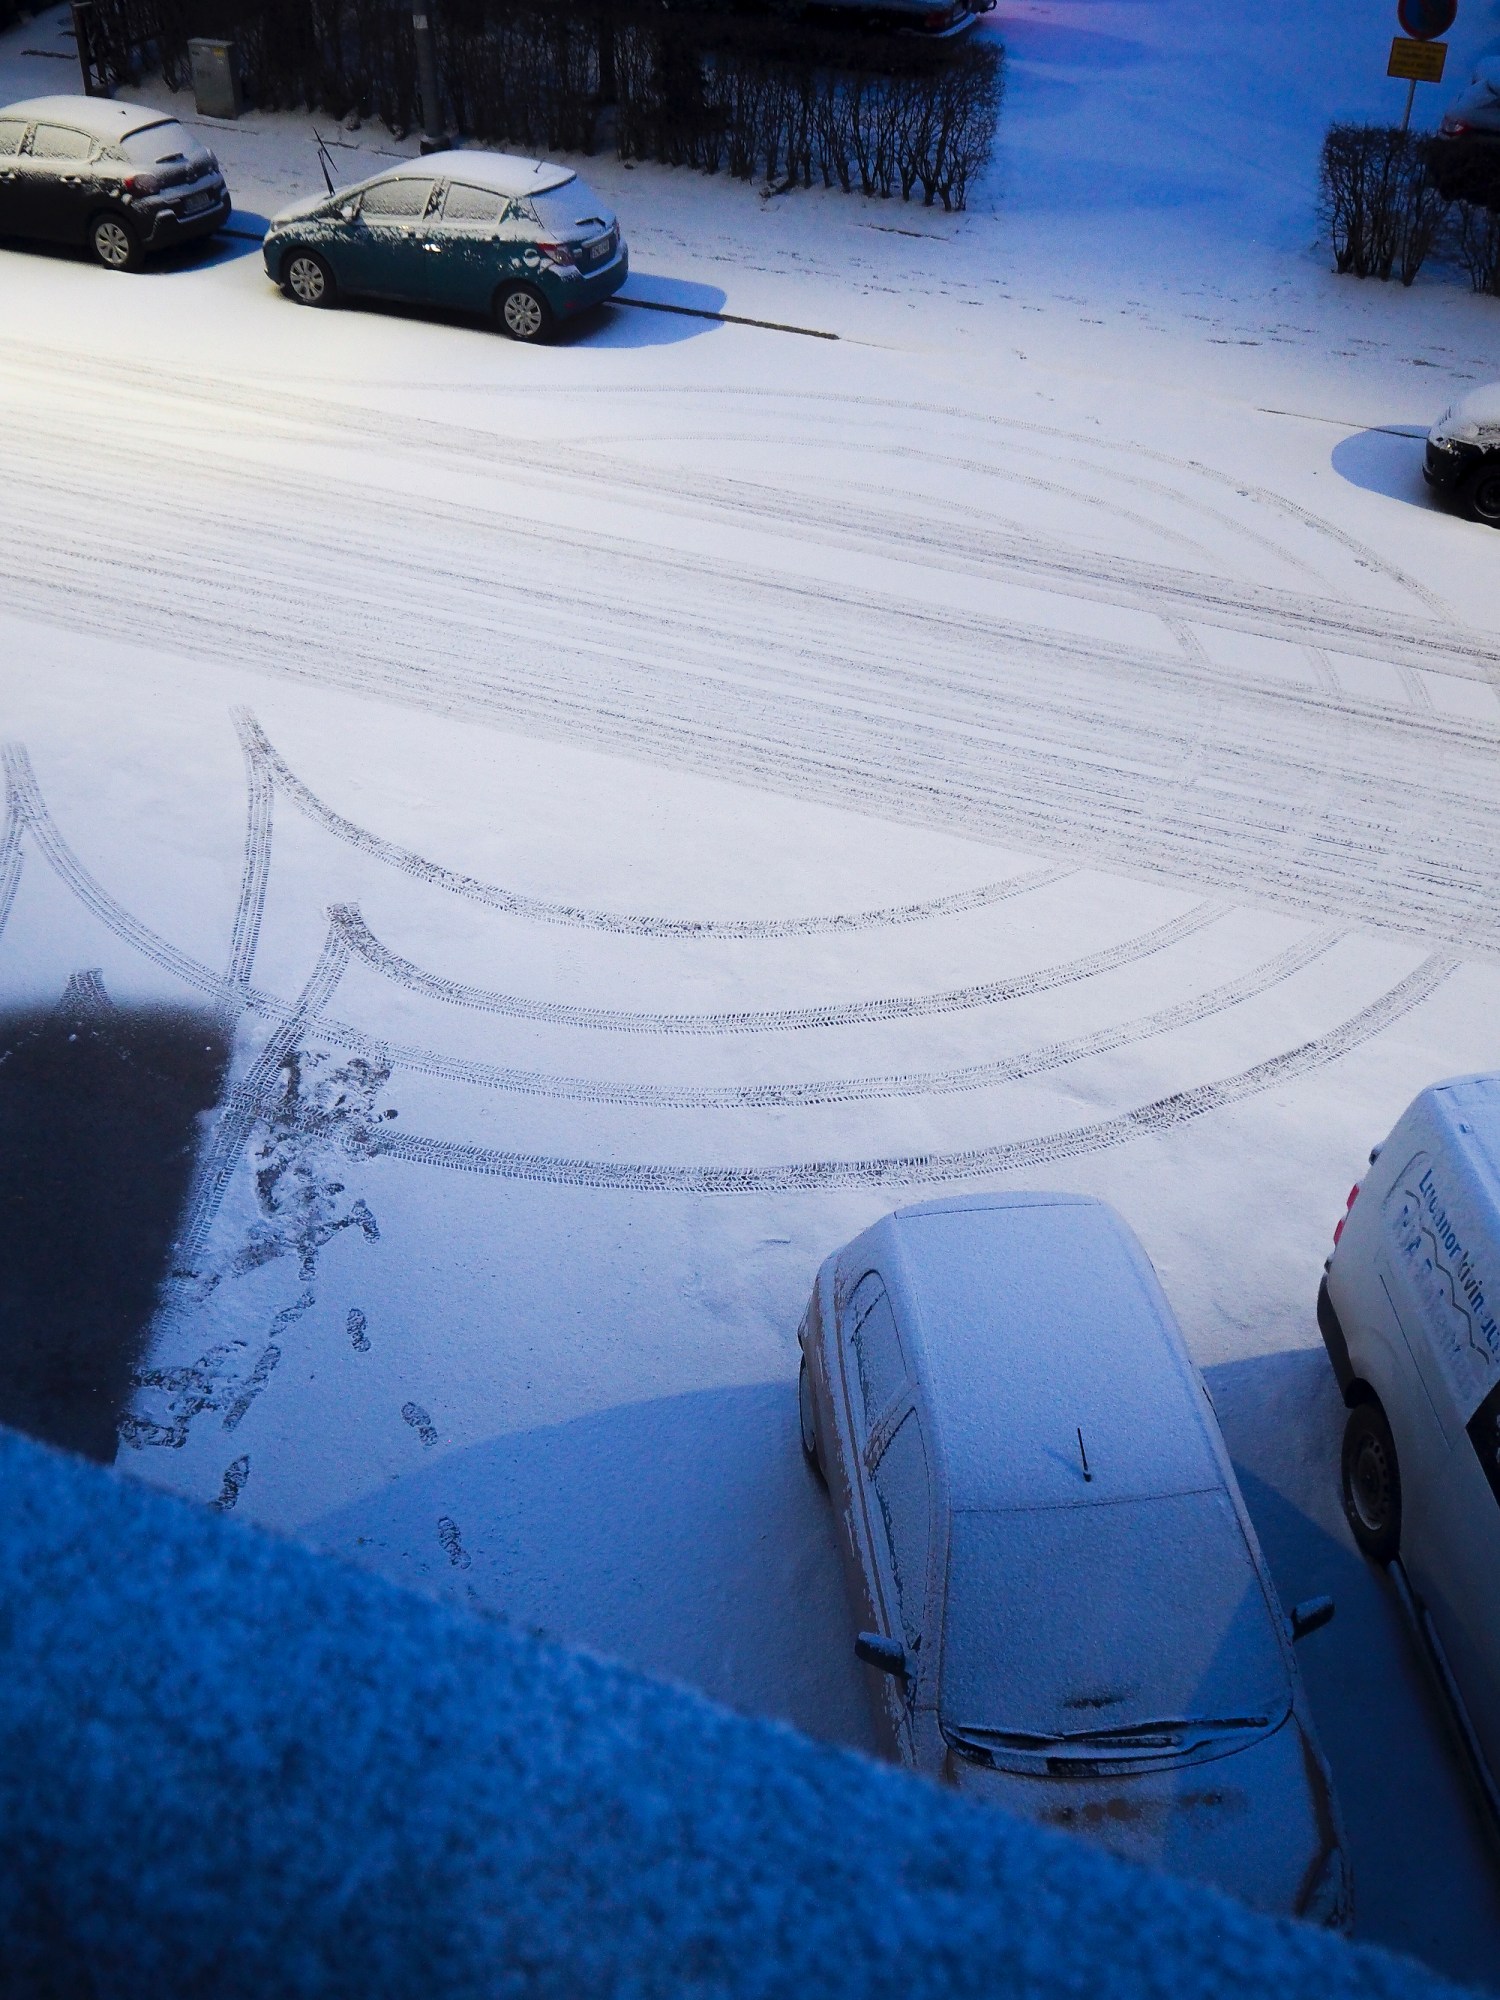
[646, 806]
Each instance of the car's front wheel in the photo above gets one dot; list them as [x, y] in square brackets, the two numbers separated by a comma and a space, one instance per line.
[114, 243]
[1372, 1482]
[1483, 494]
[306, 278]
[524, 314]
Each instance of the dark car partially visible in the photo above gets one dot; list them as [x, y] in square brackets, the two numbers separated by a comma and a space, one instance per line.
[123, 181]
[1462, 464]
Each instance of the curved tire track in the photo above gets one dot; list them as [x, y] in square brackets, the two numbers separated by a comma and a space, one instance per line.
[359, 941]
[857, 1089]
[904, 1170]
[269, 767]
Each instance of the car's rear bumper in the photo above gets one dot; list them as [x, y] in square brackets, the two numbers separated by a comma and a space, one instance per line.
[576, 295]
[168, 229]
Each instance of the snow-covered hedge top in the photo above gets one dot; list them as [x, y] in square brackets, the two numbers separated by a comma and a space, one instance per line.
[231, 1767]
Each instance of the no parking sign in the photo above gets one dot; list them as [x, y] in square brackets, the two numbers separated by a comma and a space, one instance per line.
[1425, 20]
[1419, 56]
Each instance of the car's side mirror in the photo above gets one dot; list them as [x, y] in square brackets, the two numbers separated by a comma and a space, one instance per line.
[1309, 1616]
[884, 1654]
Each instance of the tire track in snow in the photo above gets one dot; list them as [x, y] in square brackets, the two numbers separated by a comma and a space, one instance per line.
[1086, 765]
[260, 801]
[1094, 575]
[857, 1089]
[904, 1170]
[269, 767]
[357, 940]
[427, 436]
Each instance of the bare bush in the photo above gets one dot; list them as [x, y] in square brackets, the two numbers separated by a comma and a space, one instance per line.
[1476, 242]
[750, 94]
[1382, 210]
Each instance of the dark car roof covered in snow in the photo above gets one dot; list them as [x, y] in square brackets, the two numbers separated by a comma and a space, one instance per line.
[101, 117]
[1030, 1318]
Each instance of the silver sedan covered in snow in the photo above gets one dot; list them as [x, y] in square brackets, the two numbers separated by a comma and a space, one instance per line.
[1065, 1608]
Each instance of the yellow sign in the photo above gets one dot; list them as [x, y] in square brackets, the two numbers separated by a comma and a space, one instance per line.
[1417, 62]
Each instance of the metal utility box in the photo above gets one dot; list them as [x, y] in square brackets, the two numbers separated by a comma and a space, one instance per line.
[216, 78]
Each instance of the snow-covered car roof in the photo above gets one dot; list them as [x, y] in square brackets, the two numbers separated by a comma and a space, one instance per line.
[100, 117]
[503, 173]
[1037, 1318]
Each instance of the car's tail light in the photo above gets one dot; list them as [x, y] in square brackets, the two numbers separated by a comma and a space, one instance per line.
[1454, 128]
[557, 253]
[1338, 1229]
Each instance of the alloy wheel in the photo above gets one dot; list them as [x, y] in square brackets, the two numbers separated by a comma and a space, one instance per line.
[112, 244]
[307, 281]
[522, 314]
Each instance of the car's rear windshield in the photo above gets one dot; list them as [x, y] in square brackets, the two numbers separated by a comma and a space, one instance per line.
[571, 210]
[155, 145]
[1065, 1620]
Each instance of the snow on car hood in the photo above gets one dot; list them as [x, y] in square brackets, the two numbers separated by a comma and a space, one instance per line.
[1473, 419]
[299, 210]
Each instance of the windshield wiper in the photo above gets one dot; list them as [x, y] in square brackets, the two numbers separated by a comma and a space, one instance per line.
[1166, 1734]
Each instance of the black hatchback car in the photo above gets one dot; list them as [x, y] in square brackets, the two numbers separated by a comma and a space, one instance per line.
[123, 180]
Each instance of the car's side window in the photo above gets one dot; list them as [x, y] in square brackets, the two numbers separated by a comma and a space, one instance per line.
[403, 201]
[872, 1334]
[60, 142]
[905, 1503]
[11, 135]
[474, 207]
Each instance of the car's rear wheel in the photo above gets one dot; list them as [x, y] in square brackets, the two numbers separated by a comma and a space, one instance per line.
[114, 243]
[305, 277]
[1372, 1482]
[524, 314]
[1483, 495]
[805, 1411]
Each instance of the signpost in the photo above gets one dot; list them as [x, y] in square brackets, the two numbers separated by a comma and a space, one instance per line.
[1418, 55]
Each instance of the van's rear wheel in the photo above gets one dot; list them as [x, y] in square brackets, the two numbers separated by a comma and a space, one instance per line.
[810, 1443]
[1372, 1483]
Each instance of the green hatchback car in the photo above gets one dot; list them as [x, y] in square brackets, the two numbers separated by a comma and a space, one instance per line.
[479, 232]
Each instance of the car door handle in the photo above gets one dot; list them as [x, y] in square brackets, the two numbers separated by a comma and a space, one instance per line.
[434, 247]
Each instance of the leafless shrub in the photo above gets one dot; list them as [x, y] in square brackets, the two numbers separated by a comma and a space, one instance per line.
[749, 93]
[1476, 243]
[1382, 210]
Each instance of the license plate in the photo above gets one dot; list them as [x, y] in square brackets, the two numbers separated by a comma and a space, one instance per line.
[598, 252]
[196, 203]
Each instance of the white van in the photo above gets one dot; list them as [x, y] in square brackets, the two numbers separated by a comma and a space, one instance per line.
[1410, 1314]
[1056, 1586]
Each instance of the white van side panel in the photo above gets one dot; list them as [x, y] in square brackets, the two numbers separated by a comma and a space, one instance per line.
[1415, 1281]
